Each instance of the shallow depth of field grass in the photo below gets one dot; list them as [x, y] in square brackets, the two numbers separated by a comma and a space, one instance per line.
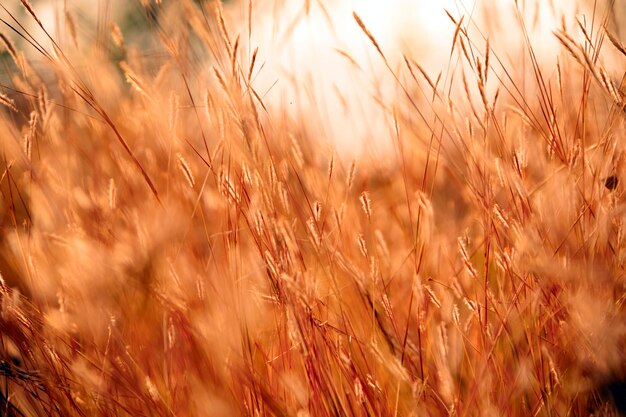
[173, 245]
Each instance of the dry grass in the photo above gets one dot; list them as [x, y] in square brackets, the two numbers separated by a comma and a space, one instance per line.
[171, 245]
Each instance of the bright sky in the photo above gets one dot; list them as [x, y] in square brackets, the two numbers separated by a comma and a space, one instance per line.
[293, 45]
[302, 65]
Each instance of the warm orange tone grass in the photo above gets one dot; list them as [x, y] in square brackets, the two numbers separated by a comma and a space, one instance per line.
[172, 246]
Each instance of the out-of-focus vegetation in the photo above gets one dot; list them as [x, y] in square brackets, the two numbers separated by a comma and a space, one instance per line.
[175, 242]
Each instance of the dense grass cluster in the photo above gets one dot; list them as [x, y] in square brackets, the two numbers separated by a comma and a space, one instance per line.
[173, 245]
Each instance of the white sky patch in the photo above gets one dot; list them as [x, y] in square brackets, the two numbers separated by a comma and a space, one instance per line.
[313, 82]
[347, 102]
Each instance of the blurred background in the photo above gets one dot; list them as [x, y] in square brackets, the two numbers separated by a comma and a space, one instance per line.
[316, 64]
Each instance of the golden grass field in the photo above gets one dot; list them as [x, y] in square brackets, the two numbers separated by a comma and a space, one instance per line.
[418, 237]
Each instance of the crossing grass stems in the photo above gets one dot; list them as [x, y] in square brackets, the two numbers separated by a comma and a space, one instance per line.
[173, 245]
